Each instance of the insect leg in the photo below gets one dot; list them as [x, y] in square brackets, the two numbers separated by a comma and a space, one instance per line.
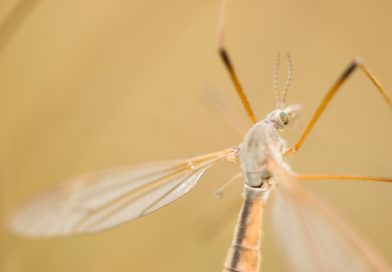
[305, 177]
[229, 65]
[356, 63]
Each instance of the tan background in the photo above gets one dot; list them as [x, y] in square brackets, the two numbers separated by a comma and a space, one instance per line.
[93, 84]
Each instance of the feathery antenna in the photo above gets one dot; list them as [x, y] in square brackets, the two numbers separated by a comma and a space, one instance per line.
[288, 80]
[280, 96]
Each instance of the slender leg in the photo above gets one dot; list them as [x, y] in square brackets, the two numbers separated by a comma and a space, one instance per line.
[305, 177]
[219, 192]
[356, 63]
[284, 175]
[230, 67]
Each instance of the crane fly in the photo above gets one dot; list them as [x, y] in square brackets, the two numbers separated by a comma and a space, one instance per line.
[313, 238]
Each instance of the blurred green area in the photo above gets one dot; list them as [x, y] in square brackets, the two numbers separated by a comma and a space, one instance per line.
[92, 84]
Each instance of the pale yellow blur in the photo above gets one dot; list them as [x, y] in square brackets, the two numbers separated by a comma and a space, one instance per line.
[93, 84]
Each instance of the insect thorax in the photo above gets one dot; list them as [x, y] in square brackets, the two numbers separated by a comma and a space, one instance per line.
[261, 143]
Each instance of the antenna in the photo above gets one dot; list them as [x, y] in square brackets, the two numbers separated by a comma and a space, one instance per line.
[280, 96]
[276, 81]
[288, 80]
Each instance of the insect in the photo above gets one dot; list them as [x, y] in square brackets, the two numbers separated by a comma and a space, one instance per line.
[313, 238]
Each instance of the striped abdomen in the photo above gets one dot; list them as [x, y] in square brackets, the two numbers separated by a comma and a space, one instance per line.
[244, 253]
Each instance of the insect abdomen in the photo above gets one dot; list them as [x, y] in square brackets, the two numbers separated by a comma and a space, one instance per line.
[244, 254]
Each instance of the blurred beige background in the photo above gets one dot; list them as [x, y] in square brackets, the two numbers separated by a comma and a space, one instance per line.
[93, 84]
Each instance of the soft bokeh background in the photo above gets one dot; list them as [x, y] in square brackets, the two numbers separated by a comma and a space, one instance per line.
[93, 84]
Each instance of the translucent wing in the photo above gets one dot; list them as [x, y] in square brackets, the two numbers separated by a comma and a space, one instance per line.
[100, 200]
[313, 237]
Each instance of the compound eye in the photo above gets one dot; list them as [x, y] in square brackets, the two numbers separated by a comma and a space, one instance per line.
[284, 118]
